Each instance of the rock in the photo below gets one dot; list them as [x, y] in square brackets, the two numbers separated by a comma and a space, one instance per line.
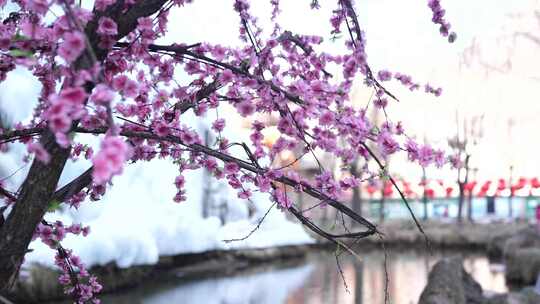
[524, 238]
[529, 296]
[495, 246]
[522, 265]
[449, 283]
[525, 296]
[40, 283]
[509, 239]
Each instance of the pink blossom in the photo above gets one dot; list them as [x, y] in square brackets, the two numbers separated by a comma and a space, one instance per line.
[439, 158]
[231, 168]
[218, 125]
[72, 46]
[387, 144]
[62, 140]
[126, 86]
[188, 137]
[245, 108]
[110, 159]
[180, 182]
[38, 6]
[326, 118]
[244, 194]
[227, 76]
[425, 155]
[40, 152]
[161, 128]
[281, 198]
[107, 27]
[380, 103]
[101, 5]
[74, 96]
[102, 95]
[145, 24]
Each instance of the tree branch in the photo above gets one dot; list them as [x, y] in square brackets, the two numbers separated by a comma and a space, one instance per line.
[182, 50]
[84, 180]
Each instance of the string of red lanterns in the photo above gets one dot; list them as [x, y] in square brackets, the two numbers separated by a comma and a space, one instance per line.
[498, 187]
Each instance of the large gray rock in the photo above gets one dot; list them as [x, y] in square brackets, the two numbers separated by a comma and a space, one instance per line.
[522, 257]
[507, 241]
[525, 238]
[40, 283]
[522, 265]
[449, 283]
[525, 296]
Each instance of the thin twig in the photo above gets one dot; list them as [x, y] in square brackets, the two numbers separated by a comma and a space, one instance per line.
[254, 229]
[342, 275]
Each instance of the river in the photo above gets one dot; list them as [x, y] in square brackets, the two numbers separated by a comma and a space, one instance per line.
[316, 279]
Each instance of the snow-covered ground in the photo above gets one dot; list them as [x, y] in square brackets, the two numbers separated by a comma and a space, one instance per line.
[137, 221]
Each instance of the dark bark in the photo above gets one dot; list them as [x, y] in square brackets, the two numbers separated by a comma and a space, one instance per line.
[357, 191]
[32, 203]
[381, 205]
[38, 189]
[461, 185]
[461, 200]
[469, 206]
[424, 195]
[511, 196]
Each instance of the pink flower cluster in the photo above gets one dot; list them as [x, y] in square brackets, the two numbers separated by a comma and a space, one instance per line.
[72, 46]
[406, 80]
[438, 18]
[76, 280]
[40, 152]
[65, 107]
[110, 159]
[53, 234]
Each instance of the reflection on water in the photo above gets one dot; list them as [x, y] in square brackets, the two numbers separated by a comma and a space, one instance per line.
[318, 280]
[407, 276]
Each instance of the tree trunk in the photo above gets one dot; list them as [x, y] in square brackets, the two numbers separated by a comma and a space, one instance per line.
[461, 199]
[32, 203]
[469, 206]
[381, 206]
[511, 196]
[424, 195]
[461, 185]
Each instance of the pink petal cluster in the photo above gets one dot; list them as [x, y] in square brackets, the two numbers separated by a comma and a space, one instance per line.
[72, 46]
[65, 107]
[110, 159]
[107, 27]
[40, 152]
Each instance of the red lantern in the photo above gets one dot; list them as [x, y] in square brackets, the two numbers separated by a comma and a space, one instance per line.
[469, 187]
[388, 190]
[449, 191]
[502, 185]
[535, 183]
[521, 183]
[371, 190]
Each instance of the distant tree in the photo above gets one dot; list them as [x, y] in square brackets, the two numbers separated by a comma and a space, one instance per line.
[103, 74]
[468, 134]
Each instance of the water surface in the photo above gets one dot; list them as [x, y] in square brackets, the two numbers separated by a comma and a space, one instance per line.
[317, 280]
